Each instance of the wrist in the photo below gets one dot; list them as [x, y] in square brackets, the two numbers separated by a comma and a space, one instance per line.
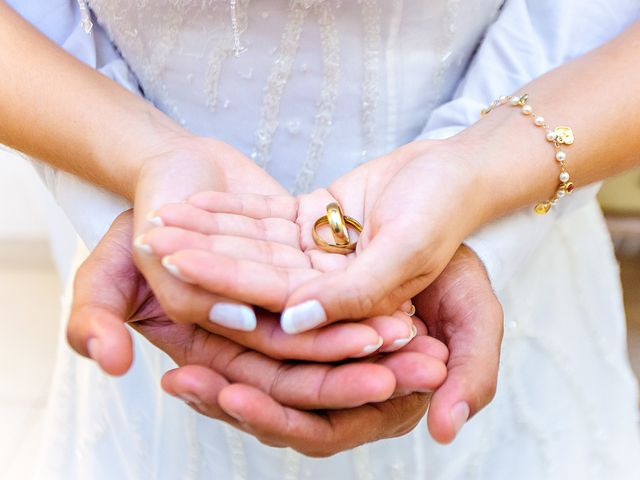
[148, 136]
[474, 192]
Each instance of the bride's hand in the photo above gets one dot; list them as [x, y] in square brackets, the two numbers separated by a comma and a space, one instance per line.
[176, 169]
[412, 203]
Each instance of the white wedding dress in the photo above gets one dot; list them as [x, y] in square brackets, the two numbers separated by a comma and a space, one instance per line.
[321, 86]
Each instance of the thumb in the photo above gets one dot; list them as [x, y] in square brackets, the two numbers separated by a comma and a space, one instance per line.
[379, 279]
[472, 373]
[105, 289]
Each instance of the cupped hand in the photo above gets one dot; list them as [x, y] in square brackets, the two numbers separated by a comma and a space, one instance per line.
[123, 295]
[459, 308]
[412, 206]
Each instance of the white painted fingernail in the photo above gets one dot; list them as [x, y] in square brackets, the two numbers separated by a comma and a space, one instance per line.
[459, 415]
[141, 246]
[401, 342]
[154, 219]
[303, 317]
[369, 349]
[173, 269]
[233, 315]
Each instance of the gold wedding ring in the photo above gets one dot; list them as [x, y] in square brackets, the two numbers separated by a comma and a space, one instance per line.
[339, 225]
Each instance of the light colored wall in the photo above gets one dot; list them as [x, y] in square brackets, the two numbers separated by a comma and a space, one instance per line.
[621, 194]
[22, 197]
[33, 229]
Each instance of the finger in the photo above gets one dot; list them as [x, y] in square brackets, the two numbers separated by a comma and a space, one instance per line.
[105, 288]
[301, 385]
[414, 371]
[472, 372]
[199, 388]
[189, 217]
[319, 435]
[428, 346]
[246, 281]
[99, 332]
[333, 343]
[168, 240]
[248, 205]
[396, 330]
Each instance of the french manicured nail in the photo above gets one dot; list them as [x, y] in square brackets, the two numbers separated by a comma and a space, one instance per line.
[459, 415]
[154, 219]
[401, 342]
[369, 349]
[141, 246]
[173, 269]
[233, 315]
[303, 317]
[93, 347]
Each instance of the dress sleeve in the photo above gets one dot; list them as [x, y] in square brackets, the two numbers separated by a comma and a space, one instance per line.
[90, 209]
[529, 38]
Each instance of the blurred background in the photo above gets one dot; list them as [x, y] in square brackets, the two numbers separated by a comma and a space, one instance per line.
[31, 285]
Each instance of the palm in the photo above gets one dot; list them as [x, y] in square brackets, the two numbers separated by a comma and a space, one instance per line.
[388, 196]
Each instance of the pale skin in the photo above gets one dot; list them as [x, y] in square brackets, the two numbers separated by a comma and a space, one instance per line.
[98, 145]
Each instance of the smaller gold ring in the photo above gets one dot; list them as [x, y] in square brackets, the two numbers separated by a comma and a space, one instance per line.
[337, 224]
[332, 248]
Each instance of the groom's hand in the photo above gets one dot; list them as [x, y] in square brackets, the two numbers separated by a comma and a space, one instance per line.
[460, 309]
[110, 291]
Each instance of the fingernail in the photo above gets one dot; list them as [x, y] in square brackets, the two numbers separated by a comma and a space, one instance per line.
[173, 269]
[459, 415]
[93, 347]
[141, 246]
[233, 315]
[369, 349]
[235, 415]
[303, 317]
[401, 342]
[189, 399]
[154, 219]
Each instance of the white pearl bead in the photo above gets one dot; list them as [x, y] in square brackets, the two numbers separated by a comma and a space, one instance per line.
[502, 98]
[539, 121]
[551, 136]
[561, 156]
[560, 193]
[564, 177]
[526, 110]
[515, 100]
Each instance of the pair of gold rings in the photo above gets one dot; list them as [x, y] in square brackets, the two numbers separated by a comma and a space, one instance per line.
[339, 225]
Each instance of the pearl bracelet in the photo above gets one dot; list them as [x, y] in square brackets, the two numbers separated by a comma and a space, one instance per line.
[558, 136]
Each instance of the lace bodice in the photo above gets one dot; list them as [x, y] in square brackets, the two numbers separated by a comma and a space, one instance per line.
[371, 70]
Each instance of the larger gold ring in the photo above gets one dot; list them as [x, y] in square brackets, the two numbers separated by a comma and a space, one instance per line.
[334, 248]
[337, 224]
